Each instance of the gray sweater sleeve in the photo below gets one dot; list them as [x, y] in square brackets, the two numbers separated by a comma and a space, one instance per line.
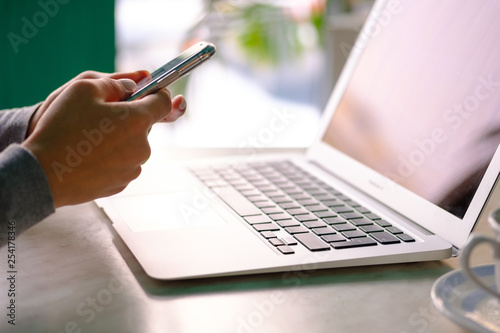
[14, 125]
[25, 196]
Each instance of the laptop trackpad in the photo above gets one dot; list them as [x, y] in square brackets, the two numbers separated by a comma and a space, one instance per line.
[177, 210]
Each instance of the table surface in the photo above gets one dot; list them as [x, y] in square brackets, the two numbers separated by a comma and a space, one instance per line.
[75, 274]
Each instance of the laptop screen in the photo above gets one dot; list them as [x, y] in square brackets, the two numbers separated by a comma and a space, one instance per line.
[423, 104]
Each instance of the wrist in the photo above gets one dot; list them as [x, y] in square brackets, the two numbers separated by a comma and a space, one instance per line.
[35, 116]
[44, 162]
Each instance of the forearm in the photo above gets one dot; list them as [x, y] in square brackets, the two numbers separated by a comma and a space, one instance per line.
[25, 196]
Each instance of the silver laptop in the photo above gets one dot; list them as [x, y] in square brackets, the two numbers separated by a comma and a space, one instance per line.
[401, 170]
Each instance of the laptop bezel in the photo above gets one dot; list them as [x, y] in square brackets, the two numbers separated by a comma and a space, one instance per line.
[383, 189]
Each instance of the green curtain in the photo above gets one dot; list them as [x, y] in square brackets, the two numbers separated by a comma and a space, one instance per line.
[44, 43]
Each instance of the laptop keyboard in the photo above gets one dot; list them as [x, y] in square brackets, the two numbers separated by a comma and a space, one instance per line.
[287, 206]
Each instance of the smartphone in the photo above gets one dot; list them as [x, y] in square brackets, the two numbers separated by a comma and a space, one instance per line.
[173, 70]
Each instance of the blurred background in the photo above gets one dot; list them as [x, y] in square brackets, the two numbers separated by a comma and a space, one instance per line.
[275, 66]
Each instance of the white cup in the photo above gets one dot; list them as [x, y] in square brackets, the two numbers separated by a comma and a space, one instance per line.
[494, 221]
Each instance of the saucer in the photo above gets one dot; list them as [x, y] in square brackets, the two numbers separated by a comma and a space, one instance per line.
[463, 302]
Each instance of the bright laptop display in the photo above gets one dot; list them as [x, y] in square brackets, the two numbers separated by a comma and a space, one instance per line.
[423, 105]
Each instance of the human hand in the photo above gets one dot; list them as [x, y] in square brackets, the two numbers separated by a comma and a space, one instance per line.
[90, 143]
[178, 102]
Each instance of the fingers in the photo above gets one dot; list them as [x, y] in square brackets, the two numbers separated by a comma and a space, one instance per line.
[111, 90]
[115, 88]
[129, 84]
[178, 109]
[157, 105]
[134, 76]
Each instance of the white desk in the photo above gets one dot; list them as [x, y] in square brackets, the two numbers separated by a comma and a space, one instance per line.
[76, 275]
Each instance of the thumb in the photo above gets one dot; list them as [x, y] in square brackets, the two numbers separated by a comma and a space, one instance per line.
[116, 90]
[129, 85]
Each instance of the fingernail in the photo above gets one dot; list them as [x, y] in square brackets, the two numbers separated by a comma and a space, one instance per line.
[129, 84]
[183, 105]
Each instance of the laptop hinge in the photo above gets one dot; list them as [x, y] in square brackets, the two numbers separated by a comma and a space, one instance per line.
[455, 251]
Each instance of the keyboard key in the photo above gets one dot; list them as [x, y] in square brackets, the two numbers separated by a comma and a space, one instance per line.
[268, 234]
[385, 238]
[303, 183]
[333, 203]
[325, 213]
[343, 227]
[288, 223]
[394, 230]
[313, 189]
[261, 183]
[280, 216]
[285, 249]
[297, 211]
[332, 190]
[291, 190]
[362, 221]
[320, 194]
[266, 187]
[252, 178]
[323, 231]
[371, 228]
[266, 227]
[342, 209]
[312, 242]
[333, 238]
[289, 240]
[406, 238]
[316, 193]
[317, 208]
[288, 205]
[314, 224]
[276, 241]
[300, 196]
[324, 197]
[295, 177]
[274, 193]
[356, 242]
[362, 210]
[335, 220]
[272, 210]
[352, 215]
[277, 178]
[308, 202]
[281, 198]
[257, 219]
[285, 186]
[354, 234]
[372, 216]
[306, 217]
[383, 223]
[237, 202]
[265, 203]
[296, 230]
